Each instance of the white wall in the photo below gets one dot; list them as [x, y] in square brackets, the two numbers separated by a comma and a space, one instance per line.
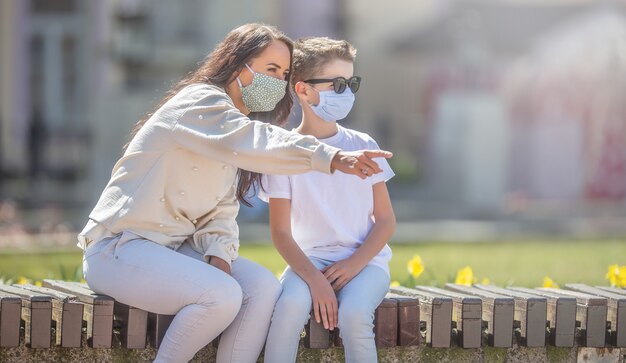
[14, 103]
[471, 149]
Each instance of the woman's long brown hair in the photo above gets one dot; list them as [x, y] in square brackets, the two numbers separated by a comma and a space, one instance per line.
[228, 59]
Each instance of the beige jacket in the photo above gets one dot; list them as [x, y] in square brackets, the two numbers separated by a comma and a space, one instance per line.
[176, 181]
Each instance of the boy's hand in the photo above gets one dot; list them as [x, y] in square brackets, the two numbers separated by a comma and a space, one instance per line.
[359, 162]
[325, 308]
[341, 272]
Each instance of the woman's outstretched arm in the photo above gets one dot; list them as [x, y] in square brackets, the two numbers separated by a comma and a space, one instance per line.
[213, 127]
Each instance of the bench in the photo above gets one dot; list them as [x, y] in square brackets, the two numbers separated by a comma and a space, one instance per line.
[69, 315]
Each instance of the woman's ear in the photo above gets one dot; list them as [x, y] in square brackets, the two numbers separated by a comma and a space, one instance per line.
[244, 75]
[234, 75]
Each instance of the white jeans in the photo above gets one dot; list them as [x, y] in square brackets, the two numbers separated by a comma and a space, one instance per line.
[357, 302]
[206, 301]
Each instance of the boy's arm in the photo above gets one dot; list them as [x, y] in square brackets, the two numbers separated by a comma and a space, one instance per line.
[341, 272]
[324, 300]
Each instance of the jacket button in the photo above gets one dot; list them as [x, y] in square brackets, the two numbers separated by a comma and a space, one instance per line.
[162, 199]
[195, 168]
[200, 117]
[225, 167]
[235, 153]
[221, 126]
[182, 192]
[160, 225]
[194, 221]
[177, 218]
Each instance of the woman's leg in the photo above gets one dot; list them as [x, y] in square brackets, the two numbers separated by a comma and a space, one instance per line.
[357, 302]
[243, 340]
[290, 314]
[152, 277]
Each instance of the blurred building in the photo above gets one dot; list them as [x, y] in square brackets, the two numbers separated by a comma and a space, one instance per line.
[48, 64]
[76, 75]
[499, 104]
[486, 104]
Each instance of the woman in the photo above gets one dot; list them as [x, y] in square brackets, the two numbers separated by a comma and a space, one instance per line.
[175, 194]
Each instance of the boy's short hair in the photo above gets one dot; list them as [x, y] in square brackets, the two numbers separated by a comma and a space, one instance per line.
[311, 54]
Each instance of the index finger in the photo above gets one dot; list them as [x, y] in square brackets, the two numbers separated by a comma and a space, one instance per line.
[332, 313]
[378, 154]
[368, 159]
[324, 315]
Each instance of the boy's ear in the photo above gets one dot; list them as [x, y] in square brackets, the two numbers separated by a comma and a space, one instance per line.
[300, 88]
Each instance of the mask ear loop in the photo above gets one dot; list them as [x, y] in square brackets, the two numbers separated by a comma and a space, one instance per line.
[313, 88]
[251, 71]
[316, 90]
[320, 96]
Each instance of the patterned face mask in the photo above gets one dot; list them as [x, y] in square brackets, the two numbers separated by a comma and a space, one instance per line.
[263, 93]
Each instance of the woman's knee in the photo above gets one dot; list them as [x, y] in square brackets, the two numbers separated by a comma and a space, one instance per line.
[271, 288]
[224, 297]
[264, 285]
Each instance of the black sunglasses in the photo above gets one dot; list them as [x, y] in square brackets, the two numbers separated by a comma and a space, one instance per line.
[339, 83]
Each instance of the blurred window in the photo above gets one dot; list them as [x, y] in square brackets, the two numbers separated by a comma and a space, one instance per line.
[53, 6]
[69, 66]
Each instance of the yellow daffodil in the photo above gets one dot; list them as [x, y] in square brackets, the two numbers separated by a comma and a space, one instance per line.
[465, 276]
[621, 280]
[548, 282]
[484, 281]
[613, 274]
[38, 283]
[415, 266]
[22, 281]
[394, 283]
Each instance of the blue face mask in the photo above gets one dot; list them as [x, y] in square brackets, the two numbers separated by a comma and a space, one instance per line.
[334, 106]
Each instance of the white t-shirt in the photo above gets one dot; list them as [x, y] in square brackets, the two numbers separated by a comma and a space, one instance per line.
[331, 215]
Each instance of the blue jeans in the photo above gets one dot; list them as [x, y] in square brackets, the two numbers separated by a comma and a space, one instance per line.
[357, 300]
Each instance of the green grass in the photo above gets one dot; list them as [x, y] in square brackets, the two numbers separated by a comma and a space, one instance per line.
[63, 264]
[523, 263]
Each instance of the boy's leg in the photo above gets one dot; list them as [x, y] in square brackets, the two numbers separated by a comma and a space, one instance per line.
[357, 302]
[243, 340]
[290, 314]
[152, 277]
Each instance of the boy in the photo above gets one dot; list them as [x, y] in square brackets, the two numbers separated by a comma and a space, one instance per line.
[332, 230]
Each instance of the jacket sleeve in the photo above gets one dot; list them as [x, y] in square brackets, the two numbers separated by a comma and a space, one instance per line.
[217, 233]
[213, 127]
